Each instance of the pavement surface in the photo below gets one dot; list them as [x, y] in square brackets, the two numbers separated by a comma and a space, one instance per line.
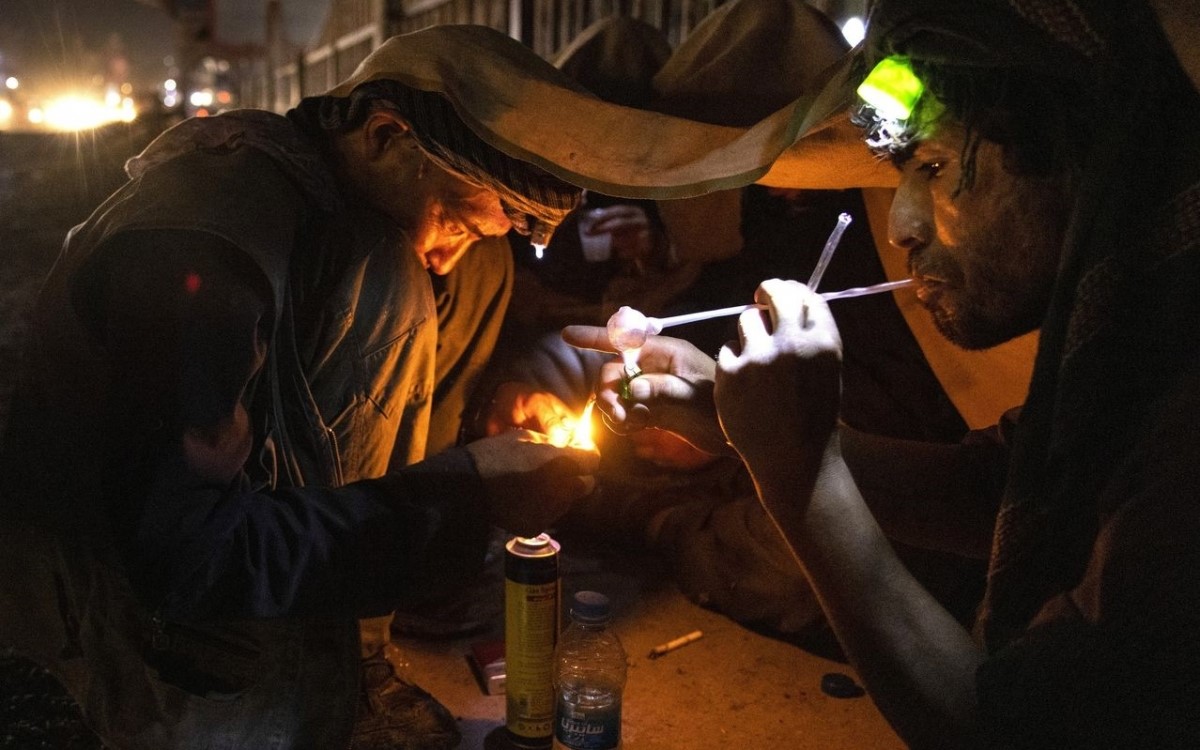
[733, 689]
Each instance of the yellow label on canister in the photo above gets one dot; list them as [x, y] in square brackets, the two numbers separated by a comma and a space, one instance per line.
[530, 634]
[531, 624]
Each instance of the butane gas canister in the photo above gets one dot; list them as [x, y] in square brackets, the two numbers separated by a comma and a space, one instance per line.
[531, 626]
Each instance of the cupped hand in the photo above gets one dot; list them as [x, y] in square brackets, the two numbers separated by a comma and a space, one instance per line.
[531, 483]
[778, 388]
[524, 406]
[673, 391]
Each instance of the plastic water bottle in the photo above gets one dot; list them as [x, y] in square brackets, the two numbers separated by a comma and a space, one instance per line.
[589, 676]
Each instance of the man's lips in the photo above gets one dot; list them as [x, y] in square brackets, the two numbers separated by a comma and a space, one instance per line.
[929, 288]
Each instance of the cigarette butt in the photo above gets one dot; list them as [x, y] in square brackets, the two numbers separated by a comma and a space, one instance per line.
[679, 642]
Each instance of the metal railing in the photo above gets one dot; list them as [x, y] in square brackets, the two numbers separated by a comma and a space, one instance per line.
[355, 27]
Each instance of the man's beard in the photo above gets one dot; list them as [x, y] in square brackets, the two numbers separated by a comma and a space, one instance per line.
[982, 326]
[972, 332]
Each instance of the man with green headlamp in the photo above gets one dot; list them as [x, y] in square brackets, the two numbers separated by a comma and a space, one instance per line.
[1049, 179]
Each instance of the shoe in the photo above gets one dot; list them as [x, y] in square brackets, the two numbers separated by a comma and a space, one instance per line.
[394, 714]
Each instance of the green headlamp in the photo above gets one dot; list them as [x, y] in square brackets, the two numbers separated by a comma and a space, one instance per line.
[892, 88]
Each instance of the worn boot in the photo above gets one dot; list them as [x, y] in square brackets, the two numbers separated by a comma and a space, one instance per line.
[395, 714]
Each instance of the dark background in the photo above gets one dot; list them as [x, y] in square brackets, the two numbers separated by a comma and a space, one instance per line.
[48, 183]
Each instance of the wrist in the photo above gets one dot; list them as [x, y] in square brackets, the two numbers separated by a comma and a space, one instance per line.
[790, 481]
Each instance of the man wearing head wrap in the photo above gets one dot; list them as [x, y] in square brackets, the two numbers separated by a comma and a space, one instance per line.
[1050, 177]
[218, 460]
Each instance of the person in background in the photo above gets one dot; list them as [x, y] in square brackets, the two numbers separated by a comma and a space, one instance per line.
[697, 509]
[609, 251]
[1049, 177]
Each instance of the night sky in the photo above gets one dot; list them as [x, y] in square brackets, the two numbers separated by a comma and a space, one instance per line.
[52, 43]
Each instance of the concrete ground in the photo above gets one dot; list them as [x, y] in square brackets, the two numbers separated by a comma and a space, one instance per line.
[733, 688]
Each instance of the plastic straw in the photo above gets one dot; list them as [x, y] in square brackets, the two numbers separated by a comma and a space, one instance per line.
[858, 291]
[827, 252]
[862, 291]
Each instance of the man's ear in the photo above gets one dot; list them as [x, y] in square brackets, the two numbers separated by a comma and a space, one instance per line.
[385, 129]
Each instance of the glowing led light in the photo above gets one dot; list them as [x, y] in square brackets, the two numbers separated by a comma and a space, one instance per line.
[169, 84]
[6, 111]
[892, 88]
[11, 83]
[192, 282]
[539, 237]
[853, 30]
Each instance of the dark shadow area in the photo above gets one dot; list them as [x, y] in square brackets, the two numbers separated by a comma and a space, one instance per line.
[48, 183]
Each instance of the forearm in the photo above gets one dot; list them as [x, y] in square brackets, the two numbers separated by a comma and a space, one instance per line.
[916, 660]
[199, 551]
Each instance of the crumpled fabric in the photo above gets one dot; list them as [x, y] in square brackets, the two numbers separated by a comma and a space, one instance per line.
[523, 106]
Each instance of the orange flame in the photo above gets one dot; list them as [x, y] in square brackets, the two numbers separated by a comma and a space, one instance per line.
[581, 436]
[574, 432]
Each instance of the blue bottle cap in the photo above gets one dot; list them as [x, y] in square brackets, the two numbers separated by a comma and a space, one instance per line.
[591, 607]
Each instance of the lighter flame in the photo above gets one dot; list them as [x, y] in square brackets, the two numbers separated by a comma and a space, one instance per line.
[581, 437]
[576, 433]
[559, 435]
